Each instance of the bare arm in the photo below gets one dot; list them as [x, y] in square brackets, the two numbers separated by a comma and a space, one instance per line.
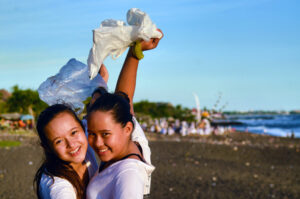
[127, 78]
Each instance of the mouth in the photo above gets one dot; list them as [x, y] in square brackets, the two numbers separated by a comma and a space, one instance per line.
[102, 151]
[75, 152]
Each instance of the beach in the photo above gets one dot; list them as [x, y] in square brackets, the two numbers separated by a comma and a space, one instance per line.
[235, 165]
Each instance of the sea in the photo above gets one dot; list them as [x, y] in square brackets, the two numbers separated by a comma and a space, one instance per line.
[276, 125]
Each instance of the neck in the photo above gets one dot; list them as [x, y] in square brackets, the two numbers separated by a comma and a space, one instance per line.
[131, 148]
[80, 168]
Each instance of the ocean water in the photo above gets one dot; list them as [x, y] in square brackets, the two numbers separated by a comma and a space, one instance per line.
[277, 125]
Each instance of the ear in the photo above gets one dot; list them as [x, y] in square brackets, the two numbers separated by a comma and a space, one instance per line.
[128, 128]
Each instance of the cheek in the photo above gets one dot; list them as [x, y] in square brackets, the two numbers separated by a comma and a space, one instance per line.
[59, 150]
[83, 139]
[114, 142]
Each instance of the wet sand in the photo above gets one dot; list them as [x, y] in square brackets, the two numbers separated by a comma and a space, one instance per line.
[238, 165]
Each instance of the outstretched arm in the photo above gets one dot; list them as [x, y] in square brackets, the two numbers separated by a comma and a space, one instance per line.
[127, 78]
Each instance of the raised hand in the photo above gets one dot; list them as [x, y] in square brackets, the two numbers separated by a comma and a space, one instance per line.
[152, 43]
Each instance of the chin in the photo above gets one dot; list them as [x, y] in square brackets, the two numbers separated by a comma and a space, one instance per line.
[79, 159]
[105, 159]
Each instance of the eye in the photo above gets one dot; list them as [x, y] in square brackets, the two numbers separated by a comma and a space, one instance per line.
[74, 132]
[91, 134]
[58, 142]
[105, 134]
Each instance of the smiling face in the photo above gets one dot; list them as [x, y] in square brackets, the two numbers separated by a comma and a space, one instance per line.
[107, 137]
[67, 138]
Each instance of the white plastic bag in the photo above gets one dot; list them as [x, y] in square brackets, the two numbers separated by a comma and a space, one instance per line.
[113, 37]
[71, 85]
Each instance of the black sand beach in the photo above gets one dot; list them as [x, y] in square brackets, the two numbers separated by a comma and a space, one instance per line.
[238, 165]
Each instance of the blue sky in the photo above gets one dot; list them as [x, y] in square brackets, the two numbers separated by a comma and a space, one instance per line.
[247, 51]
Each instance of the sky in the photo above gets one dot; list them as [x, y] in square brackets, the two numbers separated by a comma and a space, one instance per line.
[245, 54]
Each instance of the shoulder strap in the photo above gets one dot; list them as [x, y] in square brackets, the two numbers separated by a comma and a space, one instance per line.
[103, 164]
[127, 156]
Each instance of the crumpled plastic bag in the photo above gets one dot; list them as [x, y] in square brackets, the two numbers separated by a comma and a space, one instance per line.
[114, 36]
[71, 86]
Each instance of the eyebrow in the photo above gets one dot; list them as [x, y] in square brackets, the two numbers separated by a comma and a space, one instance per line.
[100, 131]
[103, 130]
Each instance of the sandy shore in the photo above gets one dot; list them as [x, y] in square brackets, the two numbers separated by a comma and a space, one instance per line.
[238, 165]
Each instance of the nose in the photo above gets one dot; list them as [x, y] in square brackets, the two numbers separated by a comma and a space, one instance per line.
[70, 143]
[98, 141]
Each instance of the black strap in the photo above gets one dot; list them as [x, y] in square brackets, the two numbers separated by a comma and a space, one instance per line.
[139, 147]
[103, 164]
[138, 155]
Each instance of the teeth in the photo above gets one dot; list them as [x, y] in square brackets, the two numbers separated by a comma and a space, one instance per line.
[72, 152]
[102, 150]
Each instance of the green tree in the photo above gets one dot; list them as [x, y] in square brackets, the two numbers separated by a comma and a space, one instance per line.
[3, 108]
[161, 109]
[25, 101]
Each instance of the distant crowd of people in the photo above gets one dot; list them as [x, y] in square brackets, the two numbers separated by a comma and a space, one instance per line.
[15, 124]
[163, 126]
[170, 127]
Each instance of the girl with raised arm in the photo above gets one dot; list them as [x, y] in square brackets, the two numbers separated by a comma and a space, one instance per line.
[126, 168]
[68, 164]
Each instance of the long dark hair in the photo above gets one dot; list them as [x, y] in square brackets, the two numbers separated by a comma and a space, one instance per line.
[117, 104]
[53, 165]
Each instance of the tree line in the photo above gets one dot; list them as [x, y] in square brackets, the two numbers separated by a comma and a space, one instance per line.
[27, 101]
[162, 109]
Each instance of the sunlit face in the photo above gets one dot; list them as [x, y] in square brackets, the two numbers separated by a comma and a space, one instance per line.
[108, 138]
[67, 138]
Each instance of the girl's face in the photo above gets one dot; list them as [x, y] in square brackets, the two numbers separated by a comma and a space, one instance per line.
[107, 137]
[67, 138]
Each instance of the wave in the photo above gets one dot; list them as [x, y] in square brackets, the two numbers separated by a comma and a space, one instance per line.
[270, 131]
[277, 125]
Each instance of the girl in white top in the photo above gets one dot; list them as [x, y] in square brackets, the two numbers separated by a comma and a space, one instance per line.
[67, 167]
[126, 168]
[124, 172]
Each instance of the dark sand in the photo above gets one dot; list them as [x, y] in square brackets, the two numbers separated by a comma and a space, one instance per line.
[238, 165]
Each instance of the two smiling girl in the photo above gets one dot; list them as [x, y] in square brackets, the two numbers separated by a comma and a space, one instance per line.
[115, 136]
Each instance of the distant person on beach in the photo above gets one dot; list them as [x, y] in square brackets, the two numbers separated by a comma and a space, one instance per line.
[69, 165]
[205, 123]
